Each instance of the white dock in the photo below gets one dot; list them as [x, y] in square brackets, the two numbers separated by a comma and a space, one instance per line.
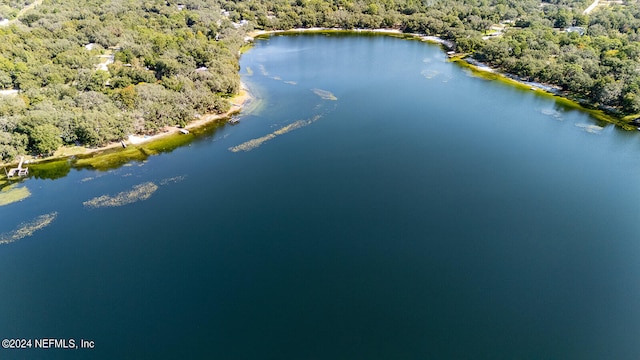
[19, 171]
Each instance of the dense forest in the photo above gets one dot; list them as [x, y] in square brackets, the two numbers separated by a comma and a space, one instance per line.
[89, 72]
[9, 8]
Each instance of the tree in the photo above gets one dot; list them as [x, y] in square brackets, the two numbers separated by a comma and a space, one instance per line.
[6, 82]
[608, 91]
[45, 139]
[125, 98]
[12, 145]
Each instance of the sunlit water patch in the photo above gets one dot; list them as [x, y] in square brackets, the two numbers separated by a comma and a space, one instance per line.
[28, 228]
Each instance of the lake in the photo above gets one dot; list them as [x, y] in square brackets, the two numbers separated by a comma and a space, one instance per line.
[375, 202]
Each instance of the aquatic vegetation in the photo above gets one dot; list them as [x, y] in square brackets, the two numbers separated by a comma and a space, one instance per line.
[553, 113]
[112, 158]
[254, 143]
[249, 71]
[429, 74]
[324, 94]
[28, 228]
[139, 192]
[263, 70]
[590, 128]
[276, 78]
[117, 157]
[173, 180]
[12, 194]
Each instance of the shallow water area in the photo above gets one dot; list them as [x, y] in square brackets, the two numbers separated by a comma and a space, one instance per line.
[371, 204]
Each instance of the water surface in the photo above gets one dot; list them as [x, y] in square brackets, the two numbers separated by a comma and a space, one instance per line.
[380, 203]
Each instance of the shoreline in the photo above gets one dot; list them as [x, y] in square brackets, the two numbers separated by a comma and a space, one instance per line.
[479, 68]
[237, 101]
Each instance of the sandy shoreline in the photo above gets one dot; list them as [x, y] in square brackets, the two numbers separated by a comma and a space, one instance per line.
[237, 102]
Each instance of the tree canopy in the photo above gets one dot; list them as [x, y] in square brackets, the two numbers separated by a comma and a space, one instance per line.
[91, 72]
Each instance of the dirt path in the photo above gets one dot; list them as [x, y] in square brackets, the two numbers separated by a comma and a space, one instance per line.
[591, 7]
[21, 12]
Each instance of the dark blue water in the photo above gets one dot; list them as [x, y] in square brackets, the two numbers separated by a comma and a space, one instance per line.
[379, 203]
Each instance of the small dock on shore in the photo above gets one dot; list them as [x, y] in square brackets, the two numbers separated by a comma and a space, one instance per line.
[234, 121]
[19, 171]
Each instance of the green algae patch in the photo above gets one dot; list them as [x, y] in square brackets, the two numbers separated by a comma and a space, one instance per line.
[28, 228]
[52, 169]
[246, 47]
[170, 142]
[12, 194]
[111, 159]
